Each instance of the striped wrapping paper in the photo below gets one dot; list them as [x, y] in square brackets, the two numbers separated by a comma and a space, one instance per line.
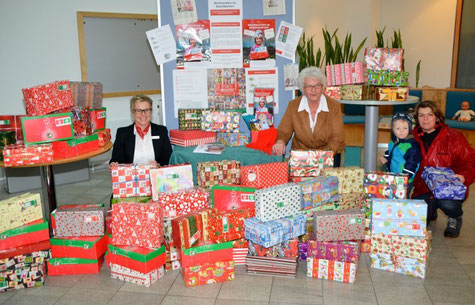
[239, 256]
[87, 94]
[187, 138]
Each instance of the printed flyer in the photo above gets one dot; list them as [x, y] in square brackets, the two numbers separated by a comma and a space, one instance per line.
[258, 42]
[262, 83]
[184, 11]
[193, 45]
[225, 10]
[226, 44]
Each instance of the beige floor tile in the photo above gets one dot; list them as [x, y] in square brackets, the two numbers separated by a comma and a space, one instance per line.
[32, 299]
[162, 286]
[441, 294]
[63, 280]
[447, 274]
[239, 302]
[470, 271]
[360, 292]
[127, 298]
[101, 281]
[464, 254]
[247, 287]
[4, 296]
[302, 290]
[396, 294]
[79, 296]
[181, 300]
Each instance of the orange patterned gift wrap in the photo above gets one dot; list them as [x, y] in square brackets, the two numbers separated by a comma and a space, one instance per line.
[208, 273]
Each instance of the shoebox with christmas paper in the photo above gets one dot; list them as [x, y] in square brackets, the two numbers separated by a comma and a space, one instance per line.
[68, 265]
[331, 270]
[399, 264]
[273, 232]
[44, 99]
[12, 123]
[218, 172]
[232, 197]
[264, 175]
[78, 220]
[351, 201]
[384, 58]
[346, 74]
[27, 276]
[131, 276]
[20, 210]
[140, 259]
[339, 225]
[7, 255]
[222, 121]
[317, 191]
[190, 229]
[350, 179]
[86, 94]
[32, 232]
[385, 185]
[189, 119]
[177, 203]
[19, 154]
[225, 226]
[103, 136]
[98, 118]
[343, 251]
[443, 183]
[47, 128]
[289, 248]
[131, 180]
[405, 246]
[137, 224]
[233, 139]
[170, 178]
[388, 78]
[277, 201]
[399, 217]
[354, 92]
[188, 138]
[88, 247]
[208, 273]
[391, 93]
[206, 253]
[304, 163]
[240, 250]
[75, 147]
[333, 92]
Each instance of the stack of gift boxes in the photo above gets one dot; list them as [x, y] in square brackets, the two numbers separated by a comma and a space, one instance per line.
[24, 242]
[64, 113]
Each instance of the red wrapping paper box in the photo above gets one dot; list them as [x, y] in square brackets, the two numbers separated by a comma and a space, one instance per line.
[19, 154]
[210, 253]
[140, 259]
[12, 123]
[129, 180]
[47, 98]
[208, 273]
[63, 266]
[78, 220]
[25, 249]
[79, 247]
[231, 197]
[228, 225]
[187, 138]
[189, 230]
[75, 147]
[98, 118]
[30, 233]
[264, 175]
[104, 136]
[137, 224]
[179, 203]
[47, 128]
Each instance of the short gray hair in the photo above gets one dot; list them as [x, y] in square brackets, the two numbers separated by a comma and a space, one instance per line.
[312, 72]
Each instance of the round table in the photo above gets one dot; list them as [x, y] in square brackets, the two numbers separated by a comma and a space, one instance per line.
[371, 126]
[47, 177]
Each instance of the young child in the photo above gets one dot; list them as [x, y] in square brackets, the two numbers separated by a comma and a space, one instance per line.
[403, 154]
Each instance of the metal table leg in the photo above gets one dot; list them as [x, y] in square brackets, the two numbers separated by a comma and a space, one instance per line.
[49, 192]
[371, 137]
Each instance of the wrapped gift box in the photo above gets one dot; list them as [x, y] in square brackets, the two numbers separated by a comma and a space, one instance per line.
[388, 78]
[272, 266]
[233, 139]
[346, 74]
[20, 210]
[289, 248]
[272, 232]
[21, 236]
[188, 138]
[98, 118]
[129, 180]
[30, 275]
[170, 178]
[343, 251]
[87, 94]
[208, 253]
[103, 136]
[443, 184]
[22, 260]
[304, 163]
[91, 247]
[208, 273]
[81, 121]
[240, 250]
[331, 270]
[65, 265]
[222, 121]
[228, 225]
[75, 147]
[232, 197]
[317, 191]
[131, 276]
[385, 185]
[399, 264]
[47, 128]
[78, 220]
[384, 59]
[264, 175]
[351, 201]
[47, 98]
[139, 259]
[137, 224]
[391, 94]
[278, 201]
[190, 229]
[218, 172]
[405, 246]
[399, 217]
[179, 203]
[172, 265]
[139, 199]
[19, 154]
[12, 252]
[339, 225]
[300, 179]
[12, 123]
[189, 119]
[354, 92]
[333, 92]
[350, 179]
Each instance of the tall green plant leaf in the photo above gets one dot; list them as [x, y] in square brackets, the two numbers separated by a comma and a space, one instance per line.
[418, 71]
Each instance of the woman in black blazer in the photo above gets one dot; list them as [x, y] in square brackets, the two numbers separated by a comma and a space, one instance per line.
[142, 142]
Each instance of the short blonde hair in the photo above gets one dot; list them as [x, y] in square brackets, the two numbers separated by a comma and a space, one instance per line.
[139, 98]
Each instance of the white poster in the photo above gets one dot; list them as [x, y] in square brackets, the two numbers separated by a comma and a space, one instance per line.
[189, 89]
[225, 10]
[291, 73]
[226, 44]
[287, 40]
[184, 11]
[273, 7]
[261, 79]
[162, 43]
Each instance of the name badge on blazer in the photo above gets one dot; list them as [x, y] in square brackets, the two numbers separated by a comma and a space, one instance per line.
[155, 137]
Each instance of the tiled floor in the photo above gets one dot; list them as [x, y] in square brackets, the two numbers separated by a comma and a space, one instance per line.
[450, 277]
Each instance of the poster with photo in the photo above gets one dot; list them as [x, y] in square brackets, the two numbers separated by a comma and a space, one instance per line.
[264, 105]
[258, 42]
[291, 73]
[226, 88]
[256, 81]
[193, 45]
[273, 7]
[184, 11]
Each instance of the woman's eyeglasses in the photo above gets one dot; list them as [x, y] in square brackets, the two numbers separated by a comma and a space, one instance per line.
[314, 87]
[143, 111]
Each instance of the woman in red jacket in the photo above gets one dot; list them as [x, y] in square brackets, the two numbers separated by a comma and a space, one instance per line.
[442, 146]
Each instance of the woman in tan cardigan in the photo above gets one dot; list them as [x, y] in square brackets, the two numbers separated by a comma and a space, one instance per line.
[314, 120]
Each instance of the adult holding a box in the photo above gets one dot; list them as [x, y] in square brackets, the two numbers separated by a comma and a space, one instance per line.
[442, 146]
[143, 142]
[315, 120]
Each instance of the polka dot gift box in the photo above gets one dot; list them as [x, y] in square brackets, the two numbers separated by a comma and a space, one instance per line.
[278, 201]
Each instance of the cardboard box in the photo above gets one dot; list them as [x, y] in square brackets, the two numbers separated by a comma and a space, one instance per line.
[47, 128]
[218, 172]
[177, 203]
[20, 210]
[209, 253]
[79, 247]
[277, 201]
[350, 179]
[339, 225]
[139, 259]
[63, 266]
[384, 58]
[443, 183]
[87, 94]
[398, 264]
[318, 191]
[222, 121]
[44, 99]
[171, 178]
[189, 119]
[264, 175]
[331, 270]
[131, 276]
[188, 138]
[78, 220]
